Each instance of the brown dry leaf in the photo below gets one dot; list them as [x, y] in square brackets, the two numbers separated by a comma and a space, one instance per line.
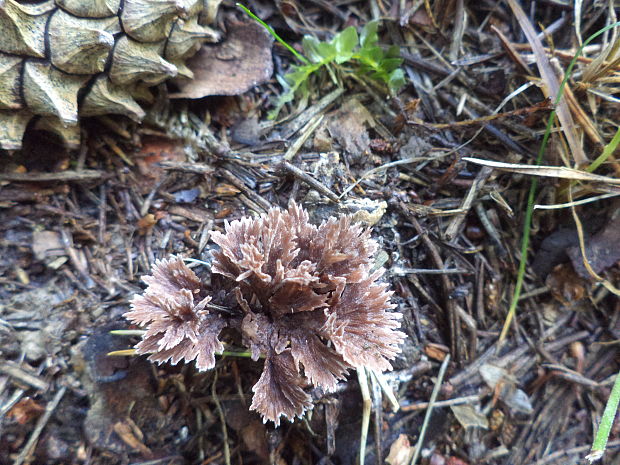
[146, 223]
[156, 150]
[421, 19]
[602, 249]
[505, 384]
[468, 416]
[131, 435]
[452, 460]
[119, 387]
[224, 189]
[401, 451]
[566, 286]
[348, 125]
[249, 428]
[47, 244]
[436, 351]
[231, 67]
[25, 410]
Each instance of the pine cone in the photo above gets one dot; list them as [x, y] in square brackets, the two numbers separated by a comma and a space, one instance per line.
[60, 59]
[301, 296]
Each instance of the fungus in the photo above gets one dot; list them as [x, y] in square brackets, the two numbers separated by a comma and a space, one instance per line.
[302, 296]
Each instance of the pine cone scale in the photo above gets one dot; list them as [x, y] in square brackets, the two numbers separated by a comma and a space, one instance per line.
[62, 46]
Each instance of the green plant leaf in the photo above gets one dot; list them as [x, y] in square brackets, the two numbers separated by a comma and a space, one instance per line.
[345, 47]
[319, 53]
[371, 54]
[369, 58]
[298, 75]
[396, 80]
[310, 45]
[368, 36]
[393, 51]
[345, 42]
[390, 64]
[327, 51]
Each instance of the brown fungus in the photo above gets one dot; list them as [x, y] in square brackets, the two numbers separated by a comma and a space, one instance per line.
[301, 296]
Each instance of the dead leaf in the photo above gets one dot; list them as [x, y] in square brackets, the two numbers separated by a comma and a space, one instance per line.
[452, 460]
[468, 416]
[46, 244]
[566, 286]
[124, 406]
[249, 428]
[602, 249]
[132, 436]
[156, 151]
[401, 451]
[348, 125]
[146, 223]
[25, 410]
[436, 351]
[224, 189]
[505, 384]
[232, 67]
[322, 142]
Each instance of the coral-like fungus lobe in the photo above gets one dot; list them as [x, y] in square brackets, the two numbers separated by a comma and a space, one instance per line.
[301, 296]
[173, 308]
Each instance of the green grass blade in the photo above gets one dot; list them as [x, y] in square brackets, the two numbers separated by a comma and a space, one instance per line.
[275, 35]
[607, 421]
[532, 192]
[607, 151]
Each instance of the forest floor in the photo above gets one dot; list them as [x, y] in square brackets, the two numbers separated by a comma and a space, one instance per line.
[80, 227]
